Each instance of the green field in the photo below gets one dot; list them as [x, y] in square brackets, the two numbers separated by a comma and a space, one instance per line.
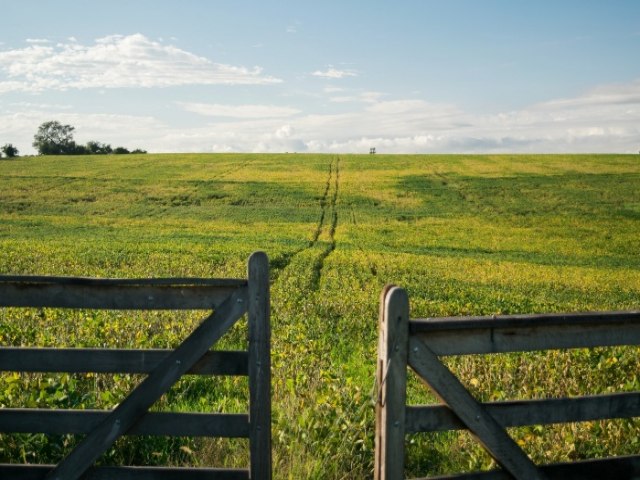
[465, 235]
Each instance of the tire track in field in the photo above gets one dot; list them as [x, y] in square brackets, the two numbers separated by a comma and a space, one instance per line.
[328, 211]
[331, 246]
[323, 207]
[230, 170]
[280, 263]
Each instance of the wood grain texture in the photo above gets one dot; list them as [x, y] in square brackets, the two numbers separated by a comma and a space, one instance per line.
[435, 418]
[478, 421]
[259, 367]
[614, 468]
[391, 379]
[82, 422]
[519, 333]
[96, 360]
[113, 296]
[39, 472]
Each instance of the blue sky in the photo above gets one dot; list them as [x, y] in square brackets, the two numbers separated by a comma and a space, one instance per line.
[403, 76]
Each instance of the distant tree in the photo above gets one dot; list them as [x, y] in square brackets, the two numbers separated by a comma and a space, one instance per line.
[97, 148]
[53, 138]
[76, 149]
[9, 150]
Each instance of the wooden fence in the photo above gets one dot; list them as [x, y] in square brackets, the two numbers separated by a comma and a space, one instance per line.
[418, 343]
[229, 299]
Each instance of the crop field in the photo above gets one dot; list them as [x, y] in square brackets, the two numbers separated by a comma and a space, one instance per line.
[465, 235]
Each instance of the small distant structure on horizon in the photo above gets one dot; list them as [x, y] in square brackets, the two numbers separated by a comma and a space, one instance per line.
[372, 151]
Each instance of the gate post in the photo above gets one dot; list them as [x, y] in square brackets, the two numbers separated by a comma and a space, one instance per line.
[391, 377]
[259, 367]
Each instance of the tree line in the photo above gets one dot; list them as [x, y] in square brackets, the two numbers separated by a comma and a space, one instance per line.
[54, 138]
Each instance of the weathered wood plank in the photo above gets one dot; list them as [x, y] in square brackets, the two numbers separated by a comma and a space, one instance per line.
[481, 424]
[618, 468]
[24, 420]
[151, 389]
[115, 294]
[91, 281]
[391, 378]
[501, 335]
[435, 418]
[420, 325]
[83, 360]
[259, 367]
[39, 472]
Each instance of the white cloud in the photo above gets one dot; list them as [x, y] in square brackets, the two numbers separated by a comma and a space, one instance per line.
[334, 73]
[37, 40]
[293, 27]
[238, 111]
[285, 131]
[371, 97]
[113, 62]
[615, 94]
[419, 107]
[40, 106]
[364, 97]
[344, 99]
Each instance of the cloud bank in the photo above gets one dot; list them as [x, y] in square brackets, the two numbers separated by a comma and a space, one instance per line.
[115, 61]
[606, 119]
[238, 111]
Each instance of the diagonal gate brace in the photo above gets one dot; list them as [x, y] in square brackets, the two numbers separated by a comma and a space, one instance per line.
[169, 371]
[491, 435]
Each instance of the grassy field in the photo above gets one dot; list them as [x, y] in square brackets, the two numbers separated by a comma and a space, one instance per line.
[465, 235]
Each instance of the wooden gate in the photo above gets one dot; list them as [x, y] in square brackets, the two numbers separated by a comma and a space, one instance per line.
[418, 343]
[229, 299]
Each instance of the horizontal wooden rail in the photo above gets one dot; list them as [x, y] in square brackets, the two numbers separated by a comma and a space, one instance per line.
[25, 420]
[435, 418]
[419, 325]
[95, 360]
[116, 294]
[101, 282]
[519, 333]
[38, 472]
[627, 467]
